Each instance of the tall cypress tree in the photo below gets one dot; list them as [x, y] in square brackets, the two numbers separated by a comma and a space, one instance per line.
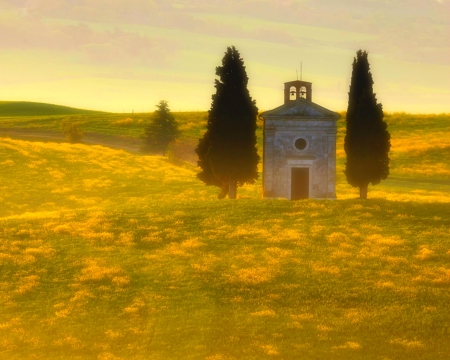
[227, 152]
[367, 141]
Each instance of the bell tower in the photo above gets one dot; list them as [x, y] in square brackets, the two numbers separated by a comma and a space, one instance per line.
[296, 89]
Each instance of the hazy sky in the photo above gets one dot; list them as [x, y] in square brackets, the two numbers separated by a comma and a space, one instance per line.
[124, 55]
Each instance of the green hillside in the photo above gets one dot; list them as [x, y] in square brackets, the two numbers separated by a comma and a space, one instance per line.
[420, 149]
[120, 124]
[25, 108]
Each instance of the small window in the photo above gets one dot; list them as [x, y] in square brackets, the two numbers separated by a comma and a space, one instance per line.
[300, 144]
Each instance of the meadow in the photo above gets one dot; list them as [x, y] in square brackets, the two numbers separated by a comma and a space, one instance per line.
[47, 117]
[105, 254]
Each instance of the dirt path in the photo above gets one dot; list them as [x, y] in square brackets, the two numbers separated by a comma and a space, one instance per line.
[183, 150]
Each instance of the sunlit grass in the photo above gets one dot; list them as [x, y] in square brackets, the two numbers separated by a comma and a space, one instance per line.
[420, 143]
[420, 147]
[130, 257]
[110, 255]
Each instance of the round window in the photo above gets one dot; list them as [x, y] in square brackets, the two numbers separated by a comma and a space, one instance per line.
[300, 144]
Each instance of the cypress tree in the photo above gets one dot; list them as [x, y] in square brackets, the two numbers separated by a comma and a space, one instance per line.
[227, 152]
[367, 141]
[161, 130]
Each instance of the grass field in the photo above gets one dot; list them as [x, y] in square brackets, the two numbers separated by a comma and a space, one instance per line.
[420, 146]
[110, 255]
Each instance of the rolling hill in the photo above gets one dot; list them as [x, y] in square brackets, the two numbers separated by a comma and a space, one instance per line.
[106, 254]
[25, 108]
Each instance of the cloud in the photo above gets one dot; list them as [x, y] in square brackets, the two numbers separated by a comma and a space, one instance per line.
[379, 17]
[87, 10]
[101, 47]
[406, 30]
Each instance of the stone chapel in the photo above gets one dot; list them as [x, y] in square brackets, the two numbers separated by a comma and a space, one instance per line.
[299, 147]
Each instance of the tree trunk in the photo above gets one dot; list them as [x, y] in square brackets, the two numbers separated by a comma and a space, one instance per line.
[232, 191]
[363, 191]
[223, 191]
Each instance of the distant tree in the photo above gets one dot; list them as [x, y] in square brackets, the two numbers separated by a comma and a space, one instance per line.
[160, 131]
[367, 141]
[227, 152]
[72, 131]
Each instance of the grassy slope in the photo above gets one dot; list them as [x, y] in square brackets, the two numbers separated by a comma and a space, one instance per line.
[420, 146]
[107, 255]
[25, 108]
[37, 116]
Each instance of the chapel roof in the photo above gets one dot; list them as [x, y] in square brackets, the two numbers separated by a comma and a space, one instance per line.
[301, 108]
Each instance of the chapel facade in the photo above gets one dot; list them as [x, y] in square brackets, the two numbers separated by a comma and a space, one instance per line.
[299, 147]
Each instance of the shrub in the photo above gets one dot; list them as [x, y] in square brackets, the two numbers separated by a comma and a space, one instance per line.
[169, 153]
[124, 122]
[72, 131]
